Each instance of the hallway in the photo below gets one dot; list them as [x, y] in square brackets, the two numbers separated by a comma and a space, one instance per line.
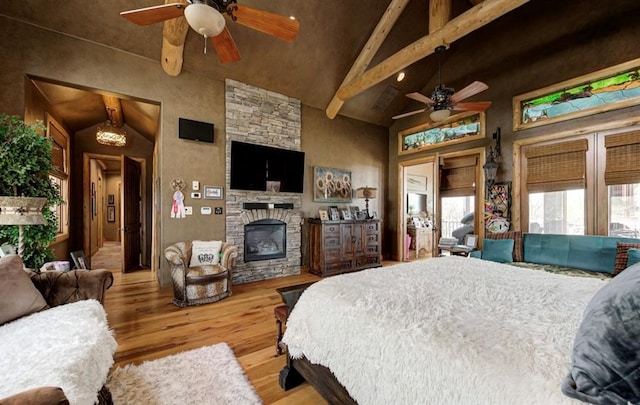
[108, 257]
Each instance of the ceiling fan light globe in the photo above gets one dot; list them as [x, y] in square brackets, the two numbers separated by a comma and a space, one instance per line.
[439, 115]
[205, 20]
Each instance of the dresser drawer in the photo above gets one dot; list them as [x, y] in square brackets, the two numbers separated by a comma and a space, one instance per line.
[371, 239]
[370, 227]
[331, 255]
[331, 242]
[332, 230]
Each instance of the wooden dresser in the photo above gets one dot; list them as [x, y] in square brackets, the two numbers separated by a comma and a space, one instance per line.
[343, 246]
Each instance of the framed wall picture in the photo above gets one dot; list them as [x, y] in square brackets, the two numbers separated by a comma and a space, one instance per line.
[111, 199]
[111, 213]
[79, 261]
[331, 185]
[213, 192]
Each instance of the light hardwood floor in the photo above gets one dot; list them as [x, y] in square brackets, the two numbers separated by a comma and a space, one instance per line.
[148, 326]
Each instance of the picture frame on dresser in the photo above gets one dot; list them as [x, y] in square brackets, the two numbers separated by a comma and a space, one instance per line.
[334, 214]
[79, 260]
[345, 213]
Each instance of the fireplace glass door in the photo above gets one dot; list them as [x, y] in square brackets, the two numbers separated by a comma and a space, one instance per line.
[265, 239]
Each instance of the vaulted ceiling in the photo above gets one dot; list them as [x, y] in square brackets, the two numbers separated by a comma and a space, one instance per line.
[332, 35]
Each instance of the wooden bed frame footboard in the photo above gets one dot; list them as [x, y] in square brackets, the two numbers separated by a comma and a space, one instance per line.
[321, 378]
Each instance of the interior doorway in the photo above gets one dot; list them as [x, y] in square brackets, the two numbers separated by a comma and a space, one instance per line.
[81, 112]
[418, 210]
[113, 211]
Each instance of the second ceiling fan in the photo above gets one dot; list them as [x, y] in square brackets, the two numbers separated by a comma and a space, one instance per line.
[443, 99]
[206, 18]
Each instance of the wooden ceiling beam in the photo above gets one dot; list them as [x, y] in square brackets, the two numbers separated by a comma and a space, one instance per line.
[464, 24]
[374, 42]
[439, 14]
[113, 107]
[174, 33]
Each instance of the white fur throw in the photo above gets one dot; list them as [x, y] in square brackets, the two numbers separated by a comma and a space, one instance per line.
[448, 330]
[68, 346]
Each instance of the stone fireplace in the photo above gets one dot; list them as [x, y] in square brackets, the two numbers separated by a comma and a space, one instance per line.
[258, 116]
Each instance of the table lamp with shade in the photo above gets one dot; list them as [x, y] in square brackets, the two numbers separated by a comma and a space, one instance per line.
[21, 211]
[368, 193]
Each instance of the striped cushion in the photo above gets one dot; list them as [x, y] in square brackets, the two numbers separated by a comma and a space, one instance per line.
[622, 256]
[517, 242]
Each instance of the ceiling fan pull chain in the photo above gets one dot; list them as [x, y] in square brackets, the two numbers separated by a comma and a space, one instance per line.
[205, 44]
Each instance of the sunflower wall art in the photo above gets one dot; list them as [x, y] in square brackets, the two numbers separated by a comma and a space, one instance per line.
[331, 185]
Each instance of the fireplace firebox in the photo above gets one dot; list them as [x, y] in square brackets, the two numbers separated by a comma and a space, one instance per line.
[265, 239]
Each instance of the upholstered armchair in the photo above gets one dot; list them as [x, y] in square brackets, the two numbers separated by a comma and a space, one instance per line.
[200, 284]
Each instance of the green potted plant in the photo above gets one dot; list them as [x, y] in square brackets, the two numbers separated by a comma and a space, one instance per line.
[25, 164]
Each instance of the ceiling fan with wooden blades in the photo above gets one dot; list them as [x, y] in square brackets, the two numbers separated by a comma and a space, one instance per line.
[206, 18]
[444, 100]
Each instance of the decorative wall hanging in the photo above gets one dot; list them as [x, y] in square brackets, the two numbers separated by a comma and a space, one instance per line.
[177, 205]
[497, 208]
[459, 128]
[416, 183]
[111, 213]
[605, 90]
[331, 185]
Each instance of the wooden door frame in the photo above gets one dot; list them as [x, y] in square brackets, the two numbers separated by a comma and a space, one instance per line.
[86, 200]
[402, 199]
[435, 158]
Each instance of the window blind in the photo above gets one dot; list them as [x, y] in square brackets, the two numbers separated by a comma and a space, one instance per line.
[556, 167]
[623, 158]
[458, 176]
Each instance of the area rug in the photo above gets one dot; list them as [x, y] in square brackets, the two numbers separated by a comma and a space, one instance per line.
[208, 375]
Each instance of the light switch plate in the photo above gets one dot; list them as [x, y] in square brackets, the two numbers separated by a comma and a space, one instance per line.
[196, 195]
[188, 210]
[205, 210]
[195, 185]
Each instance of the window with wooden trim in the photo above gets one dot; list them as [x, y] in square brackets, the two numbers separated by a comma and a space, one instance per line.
[555, 184]
[60, 174]
[622, 178]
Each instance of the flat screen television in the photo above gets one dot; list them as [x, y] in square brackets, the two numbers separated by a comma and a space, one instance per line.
[262, 168]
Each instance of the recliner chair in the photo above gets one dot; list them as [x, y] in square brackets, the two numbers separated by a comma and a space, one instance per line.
[200, 284]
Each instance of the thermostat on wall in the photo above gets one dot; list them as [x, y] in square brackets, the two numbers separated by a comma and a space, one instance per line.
[205, 210]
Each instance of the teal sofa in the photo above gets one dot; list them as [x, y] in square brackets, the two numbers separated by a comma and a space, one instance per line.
[590, 253]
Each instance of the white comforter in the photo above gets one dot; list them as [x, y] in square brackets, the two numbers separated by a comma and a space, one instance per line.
[449, 330]
[68, 346]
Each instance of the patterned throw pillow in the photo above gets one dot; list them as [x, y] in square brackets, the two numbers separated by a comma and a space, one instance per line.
[205, 253]
[518, 255]
[622, 256]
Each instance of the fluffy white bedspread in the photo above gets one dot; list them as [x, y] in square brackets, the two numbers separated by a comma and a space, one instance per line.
[68, 346]
[448, 330]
